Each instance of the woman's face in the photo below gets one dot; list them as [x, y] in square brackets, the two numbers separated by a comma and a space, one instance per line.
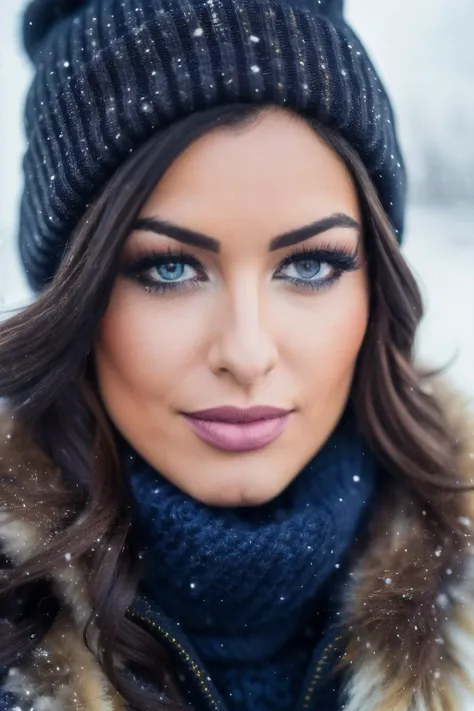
[244, 286]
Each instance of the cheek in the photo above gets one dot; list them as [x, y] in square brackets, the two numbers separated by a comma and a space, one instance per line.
[143, 349]
[326, 339]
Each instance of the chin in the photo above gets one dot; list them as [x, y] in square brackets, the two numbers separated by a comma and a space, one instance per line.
[240, 494]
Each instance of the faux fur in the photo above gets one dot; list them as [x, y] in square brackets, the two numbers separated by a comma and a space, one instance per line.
[409, 609]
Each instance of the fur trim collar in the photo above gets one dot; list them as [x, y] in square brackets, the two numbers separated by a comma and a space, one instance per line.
[409, 609]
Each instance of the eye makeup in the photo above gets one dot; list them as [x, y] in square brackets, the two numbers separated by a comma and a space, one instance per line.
[165, 271]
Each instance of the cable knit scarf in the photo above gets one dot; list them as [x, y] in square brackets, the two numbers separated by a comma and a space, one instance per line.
[241, 580]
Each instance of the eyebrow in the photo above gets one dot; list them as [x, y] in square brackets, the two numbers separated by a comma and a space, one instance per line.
[315, 228]
[210, 244]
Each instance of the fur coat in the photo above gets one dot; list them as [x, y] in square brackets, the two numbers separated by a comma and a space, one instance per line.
[411, 610]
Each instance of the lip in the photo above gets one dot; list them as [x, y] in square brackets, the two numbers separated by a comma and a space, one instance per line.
[232, 429]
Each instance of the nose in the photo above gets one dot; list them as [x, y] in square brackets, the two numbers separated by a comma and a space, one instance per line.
[243, 345]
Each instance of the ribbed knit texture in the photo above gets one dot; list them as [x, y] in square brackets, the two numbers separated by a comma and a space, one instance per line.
[110, 73]
[244, 583]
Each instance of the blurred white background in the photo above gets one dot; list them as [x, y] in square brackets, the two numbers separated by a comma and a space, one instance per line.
[424, 52]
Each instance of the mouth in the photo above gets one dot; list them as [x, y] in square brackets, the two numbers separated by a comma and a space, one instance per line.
[231, 429]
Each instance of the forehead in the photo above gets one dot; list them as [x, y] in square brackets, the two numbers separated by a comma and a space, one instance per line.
[258, 179]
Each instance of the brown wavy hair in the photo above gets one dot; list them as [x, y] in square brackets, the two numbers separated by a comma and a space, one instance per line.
[47, 378]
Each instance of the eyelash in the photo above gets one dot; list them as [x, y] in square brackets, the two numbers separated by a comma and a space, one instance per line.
[340, 258]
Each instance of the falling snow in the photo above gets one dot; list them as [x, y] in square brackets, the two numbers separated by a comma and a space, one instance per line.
[442, 601]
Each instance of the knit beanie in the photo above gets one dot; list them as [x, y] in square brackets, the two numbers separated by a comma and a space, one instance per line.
[110, 73]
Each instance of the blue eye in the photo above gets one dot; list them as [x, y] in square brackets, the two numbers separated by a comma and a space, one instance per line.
[316, 269]
[166, 272]
[307, 270]
[171, 271]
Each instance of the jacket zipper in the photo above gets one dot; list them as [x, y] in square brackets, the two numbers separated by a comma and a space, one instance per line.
[195, 670]
[308, 695]
[200, 676]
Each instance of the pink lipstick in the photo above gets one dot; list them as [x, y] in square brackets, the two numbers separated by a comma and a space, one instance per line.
[231, 429]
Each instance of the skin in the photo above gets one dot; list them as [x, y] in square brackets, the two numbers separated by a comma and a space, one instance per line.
[242, 337]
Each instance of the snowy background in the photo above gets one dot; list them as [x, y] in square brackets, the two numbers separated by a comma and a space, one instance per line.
[424, 51]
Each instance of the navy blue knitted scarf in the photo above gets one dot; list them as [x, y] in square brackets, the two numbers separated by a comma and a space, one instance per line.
[242, 582]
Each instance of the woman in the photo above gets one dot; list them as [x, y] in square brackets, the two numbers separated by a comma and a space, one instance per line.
[224, 482]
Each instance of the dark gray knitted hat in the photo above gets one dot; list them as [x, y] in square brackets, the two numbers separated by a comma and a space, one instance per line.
[109, 73]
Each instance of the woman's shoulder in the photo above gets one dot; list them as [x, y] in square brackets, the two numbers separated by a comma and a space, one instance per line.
[410, 605]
